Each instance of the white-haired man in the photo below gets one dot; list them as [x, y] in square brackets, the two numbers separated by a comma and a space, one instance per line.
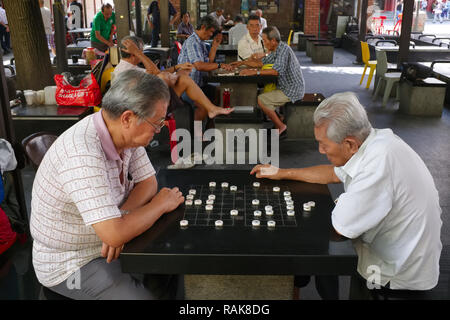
[390, 206]
[96, 189]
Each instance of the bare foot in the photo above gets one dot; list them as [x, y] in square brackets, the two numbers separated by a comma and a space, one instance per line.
[282, 129]
[218, 111]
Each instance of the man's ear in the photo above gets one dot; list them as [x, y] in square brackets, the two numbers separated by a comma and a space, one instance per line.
[352, 144]
[127, 118]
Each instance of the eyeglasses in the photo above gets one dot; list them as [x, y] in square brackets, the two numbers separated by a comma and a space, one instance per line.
[158, 126]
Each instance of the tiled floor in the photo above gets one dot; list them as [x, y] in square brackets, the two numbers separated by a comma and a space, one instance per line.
[428, 136]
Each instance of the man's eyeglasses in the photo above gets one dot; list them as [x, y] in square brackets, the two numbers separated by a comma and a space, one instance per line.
[158, 126]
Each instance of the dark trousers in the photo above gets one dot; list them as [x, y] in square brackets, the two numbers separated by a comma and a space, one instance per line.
[327, 286]
[155, 36]
[4, 39]
[360, 291]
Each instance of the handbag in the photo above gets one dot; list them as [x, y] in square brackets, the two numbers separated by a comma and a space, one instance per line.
[86, 94]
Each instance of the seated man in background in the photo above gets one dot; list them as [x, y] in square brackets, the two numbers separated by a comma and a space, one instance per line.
[251, 46]
[175, 77]
[290, 86]
[238, 31]
[390, 207]
[185, 28]
[102, 28]
[195, 51]
[96, 190]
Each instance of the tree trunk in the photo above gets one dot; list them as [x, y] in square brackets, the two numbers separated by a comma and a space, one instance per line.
[33, 67]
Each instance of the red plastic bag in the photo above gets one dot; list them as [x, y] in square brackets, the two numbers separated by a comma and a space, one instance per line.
[87, 94]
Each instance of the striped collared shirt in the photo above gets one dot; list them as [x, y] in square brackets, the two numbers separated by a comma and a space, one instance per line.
[77, 185]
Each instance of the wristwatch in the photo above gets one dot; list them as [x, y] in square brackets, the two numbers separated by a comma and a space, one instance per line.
[258, 72]
[218, 65]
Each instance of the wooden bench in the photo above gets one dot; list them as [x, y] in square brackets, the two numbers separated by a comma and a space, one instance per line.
[299, 116]
[322, 52]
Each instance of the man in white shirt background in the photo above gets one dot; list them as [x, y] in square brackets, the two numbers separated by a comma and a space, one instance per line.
[218, 15]
[4, 31]
[238, 31]
[47, 19]
[390, 207]
[259, 13]
[251, 45]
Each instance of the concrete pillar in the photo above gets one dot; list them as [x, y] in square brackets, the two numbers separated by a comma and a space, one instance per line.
[122, 19]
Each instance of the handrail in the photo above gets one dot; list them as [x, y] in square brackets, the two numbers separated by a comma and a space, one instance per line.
[427, 35]
[438, 61]
[386, 41]
[440, 38]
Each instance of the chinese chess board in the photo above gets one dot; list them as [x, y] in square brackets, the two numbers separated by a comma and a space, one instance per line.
[223, 205]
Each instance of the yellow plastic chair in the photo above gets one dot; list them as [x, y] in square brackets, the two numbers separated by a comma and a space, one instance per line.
[372, 64]
[106, 78]
[290, 37]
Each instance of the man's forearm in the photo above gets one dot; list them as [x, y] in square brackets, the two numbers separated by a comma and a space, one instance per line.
[141, 194]
[212, 52]
[323, 174]
[149, 66]
[205, 66]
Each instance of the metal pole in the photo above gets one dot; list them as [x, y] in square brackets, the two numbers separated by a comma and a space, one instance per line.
[60, 37]
[164, 23]
[138, 12]
[405, 37]
[362, 28]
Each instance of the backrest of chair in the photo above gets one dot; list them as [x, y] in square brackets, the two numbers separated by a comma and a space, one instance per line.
[290, 37]
[36, 145]
[365, 53]
[107, 77]
[381, 62]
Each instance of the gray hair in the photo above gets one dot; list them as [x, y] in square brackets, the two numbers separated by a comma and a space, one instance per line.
[345, 116]
[136, 91]
[137, 41]
[272, 33]
[209, 22]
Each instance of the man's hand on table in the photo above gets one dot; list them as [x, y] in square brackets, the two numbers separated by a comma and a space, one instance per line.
[110, 253]
[248, 72]
[266, 171]
[168, 199]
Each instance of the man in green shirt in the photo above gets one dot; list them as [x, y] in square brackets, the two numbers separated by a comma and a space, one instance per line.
[102, 26]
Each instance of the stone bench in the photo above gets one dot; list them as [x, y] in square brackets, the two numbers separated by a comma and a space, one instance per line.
[322, 52]
[422, 97]
[299, 116]
[310, 45]
[301, 45]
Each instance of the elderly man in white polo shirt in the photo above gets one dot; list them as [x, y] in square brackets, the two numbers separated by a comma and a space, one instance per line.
[96, 189]
[390, 206]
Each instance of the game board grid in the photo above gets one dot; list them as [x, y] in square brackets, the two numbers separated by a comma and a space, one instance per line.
[241, 200]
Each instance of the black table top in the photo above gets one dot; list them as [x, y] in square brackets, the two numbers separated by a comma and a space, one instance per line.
[308, 246]
[49, 111]
[226, 77]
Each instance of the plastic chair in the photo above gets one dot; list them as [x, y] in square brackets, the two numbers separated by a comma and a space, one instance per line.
[389, 78]
[36, 145]
[290, 37]
[372, 64]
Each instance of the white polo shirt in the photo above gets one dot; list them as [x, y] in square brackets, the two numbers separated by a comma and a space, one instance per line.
[247, 46]
[391, 209]
[77, 185]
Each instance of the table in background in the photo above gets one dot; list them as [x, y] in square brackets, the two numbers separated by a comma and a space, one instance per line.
[240, 261]
[52, 118]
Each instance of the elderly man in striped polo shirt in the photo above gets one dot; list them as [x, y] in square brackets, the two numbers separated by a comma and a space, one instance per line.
[96, 189]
